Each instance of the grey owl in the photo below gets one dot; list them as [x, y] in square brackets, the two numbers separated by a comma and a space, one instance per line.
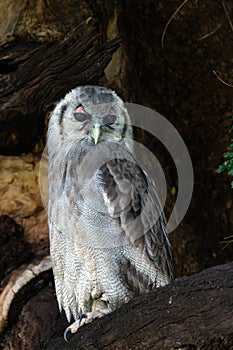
[108, 241]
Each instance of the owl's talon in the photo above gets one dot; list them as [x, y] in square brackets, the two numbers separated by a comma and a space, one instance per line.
[68, 329]
[75, 326]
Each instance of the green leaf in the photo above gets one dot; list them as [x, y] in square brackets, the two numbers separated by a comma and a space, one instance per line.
[228, 164]
[230, 146]
[221, 168]
[228, 154]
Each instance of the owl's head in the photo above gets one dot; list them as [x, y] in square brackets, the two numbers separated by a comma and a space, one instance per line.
[90, 115]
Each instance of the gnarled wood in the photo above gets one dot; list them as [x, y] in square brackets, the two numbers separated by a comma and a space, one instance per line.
[199, 315]
[43, 74]
[33, 76]
[192, 313]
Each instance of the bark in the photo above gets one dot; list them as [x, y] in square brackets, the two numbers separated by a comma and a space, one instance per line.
[192, 313]
[198, 317]
[34, 76]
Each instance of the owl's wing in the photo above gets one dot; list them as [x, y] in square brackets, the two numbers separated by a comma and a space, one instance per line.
[131, 198]
[64, 260]
[62, 216]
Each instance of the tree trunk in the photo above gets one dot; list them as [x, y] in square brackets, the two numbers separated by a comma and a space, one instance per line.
[34, 76]
[192, 313]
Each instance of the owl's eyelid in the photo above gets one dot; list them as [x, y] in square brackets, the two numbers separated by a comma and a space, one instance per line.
[79, 109]
[112, 119]
[81, 116]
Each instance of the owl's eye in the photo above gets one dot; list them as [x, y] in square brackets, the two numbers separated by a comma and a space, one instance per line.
[81, 117]
[109, 119]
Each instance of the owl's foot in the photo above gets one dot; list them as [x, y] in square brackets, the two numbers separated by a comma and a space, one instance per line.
[75, 326]
[85, 318]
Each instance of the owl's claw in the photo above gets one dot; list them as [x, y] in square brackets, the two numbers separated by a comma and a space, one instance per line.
[65, 333]
[85, 318]
[75, 326]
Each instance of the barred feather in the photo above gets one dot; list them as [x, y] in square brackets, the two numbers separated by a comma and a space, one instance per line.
[107, 227]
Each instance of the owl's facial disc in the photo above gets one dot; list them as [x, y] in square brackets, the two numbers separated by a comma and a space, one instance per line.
[99, 121]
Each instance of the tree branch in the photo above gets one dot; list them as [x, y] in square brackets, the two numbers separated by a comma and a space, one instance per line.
[198, 316]
[192, 313]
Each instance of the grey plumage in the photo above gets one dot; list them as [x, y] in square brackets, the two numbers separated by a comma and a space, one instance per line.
[108, 240]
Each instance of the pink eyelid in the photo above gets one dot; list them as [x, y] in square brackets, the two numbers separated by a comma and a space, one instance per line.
[80, 109]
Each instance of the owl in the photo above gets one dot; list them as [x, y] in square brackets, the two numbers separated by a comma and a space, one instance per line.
[108, 239]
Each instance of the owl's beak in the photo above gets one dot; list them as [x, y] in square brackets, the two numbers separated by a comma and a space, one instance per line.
[95, 132]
